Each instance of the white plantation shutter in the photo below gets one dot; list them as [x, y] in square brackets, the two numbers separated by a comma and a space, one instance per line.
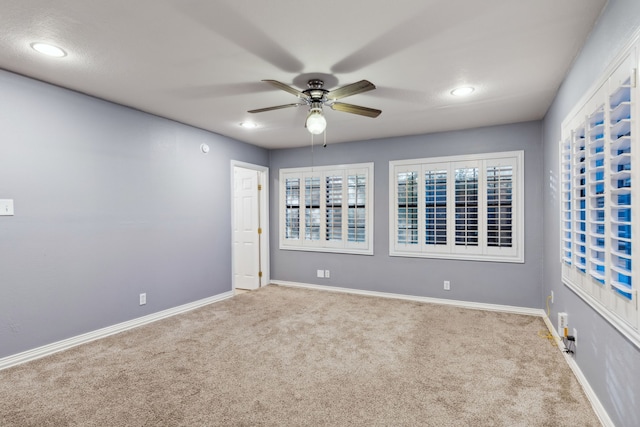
[503, 213]
[357, 207]
[312, 213]
[334, 189]
[436, 206]
[500, 206]
[327, 209]
[467, 208]
[406, 205]
[566, 202]
[459, 207]
[621, 191]
[595, 198]
[599, 197]
[292, 208]
[580, 199]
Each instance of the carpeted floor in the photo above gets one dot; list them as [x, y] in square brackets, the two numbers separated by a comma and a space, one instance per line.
[296, 357]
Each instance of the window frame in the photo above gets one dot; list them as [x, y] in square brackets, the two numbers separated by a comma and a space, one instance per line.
[481, 252]
[323, 244]
[590, 152]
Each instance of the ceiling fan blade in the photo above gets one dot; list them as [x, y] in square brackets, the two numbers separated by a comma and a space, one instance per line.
[287, 88]
[352, 89]
[277, 107]
[356, 109]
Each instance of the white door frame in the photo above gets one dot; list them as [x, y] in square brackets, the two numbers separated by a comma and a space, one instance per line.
[263, 177]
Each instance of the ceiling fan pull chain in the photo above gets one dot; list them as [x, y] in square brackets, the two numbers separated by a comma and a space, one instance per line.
[312, 163]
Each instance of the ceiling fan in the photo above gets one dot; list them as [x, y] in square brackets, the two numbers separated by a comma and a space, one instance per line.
[315, 96]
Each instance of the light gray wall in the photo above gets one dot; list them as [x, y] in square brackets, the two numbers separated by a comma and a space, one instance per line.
[109, 202]
[610, 363]
[486, 282]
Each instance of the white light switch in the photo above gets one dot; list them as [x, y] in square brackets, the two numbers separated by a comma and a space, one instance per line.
[6, 207]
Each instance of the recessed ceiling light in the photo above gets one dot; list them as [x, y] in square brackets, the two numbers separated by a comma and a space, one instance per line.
[48, 49]
[462, 91]
[249, 125]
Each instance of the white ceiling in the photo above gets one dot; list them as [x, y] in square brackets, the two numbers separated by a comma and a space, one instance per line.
[201, 62]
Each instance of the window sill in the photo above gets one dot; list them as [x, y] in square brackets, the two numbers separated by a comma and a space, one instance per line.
[484, 258]
[351, 251]
[623, 327]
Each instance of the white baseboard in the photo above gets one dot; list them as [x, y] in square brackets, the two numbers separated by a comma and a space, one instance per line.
[591, 395]
[46, 350]
[455, 303]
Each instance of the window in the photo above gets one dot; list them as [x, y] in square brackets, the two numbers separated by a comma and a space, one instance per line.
[460, 207]
[327, 208]
[599, 200]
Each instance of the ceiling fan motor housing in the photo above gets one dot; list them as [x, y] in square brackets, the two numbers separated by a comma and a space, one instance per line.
[315, 92]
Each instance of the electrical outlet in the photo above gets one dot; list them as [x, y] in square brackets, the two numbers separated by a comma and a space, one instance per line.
[447, 285]
[563, 322]
[143, 299]
[551, 297]
[327, 274]
[320, 274]
[575, 337]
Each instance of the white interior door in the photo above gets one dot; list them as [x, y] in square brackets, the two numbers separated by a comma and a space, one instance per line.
[246, 225]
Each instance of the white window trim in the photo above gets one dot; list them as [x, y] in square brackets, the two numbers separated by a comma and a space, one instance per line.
[346, 247]
[482, 252]
[600, 298]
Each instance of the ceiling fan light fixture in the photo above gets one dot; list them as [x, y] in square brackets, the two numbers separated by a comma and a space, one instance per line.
[316, 123]
[462, 91]
[48, 49]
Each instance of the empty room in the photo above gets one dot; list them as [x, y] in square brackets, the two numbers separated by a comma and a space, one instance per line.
[296, 213]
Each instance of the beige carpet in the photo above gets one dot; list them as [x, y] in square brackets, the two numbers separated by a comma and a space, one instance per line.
[295, 357]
